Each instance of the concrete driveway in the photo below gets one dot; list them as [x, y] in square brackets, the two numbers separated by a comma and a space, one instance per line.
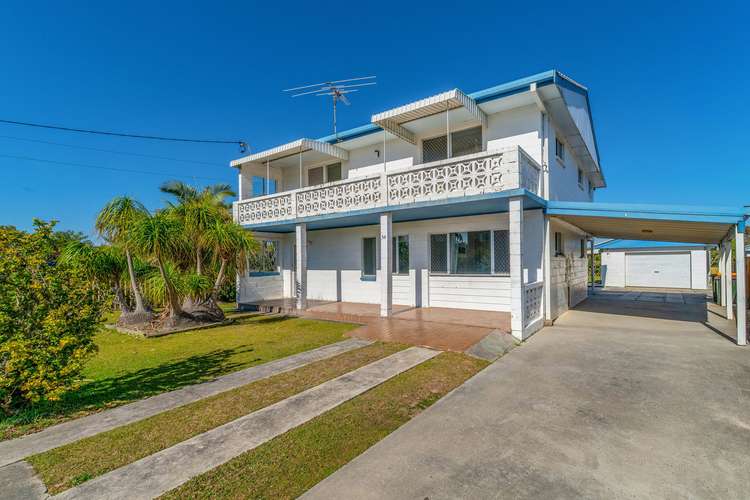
[620, 399]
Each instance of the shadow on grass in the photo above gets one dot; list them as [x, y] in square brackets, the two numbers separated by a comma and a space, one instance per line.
[128, 387]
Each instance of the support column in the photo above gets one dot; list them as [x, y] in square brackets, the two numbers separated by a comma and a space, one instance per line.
[739, 253]
[592, 266]
[300, 276]
[386, 264]
[515, 215]
[722, 276]
[547, 269]
[728, 273]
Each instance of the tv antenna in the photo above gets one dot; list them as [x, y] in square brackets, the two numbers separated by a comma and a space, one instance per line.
[337, 89]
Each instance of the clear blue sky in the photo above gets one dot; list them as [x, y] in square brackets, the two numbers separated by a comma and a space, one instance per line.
[668, 87]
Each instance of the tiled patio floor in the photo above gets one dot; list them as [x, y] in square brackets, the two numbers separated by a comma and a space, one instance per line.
[436, 327]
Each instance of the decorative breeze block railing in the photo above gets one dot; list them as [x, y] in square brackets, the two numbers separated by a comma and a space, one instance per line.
[266, 209]
[487, 172]
[463, 178]
[532, 301]
[342, 196]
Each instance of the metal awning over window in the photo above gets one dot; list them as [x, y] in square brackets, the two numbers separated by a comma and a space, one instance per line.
[393, 119]
[295, 147]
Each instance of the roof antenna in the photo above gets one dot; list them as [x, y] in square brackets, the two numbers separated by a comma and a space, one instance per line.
[336, 90]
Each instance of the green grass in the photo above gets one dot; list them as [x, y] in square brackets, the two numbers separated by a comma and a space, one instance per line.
[292, 463]
[128, 368]
[72, 464]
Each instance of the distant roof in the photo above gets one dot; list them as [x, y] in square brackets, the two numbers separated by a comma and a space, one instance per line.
[620, 244]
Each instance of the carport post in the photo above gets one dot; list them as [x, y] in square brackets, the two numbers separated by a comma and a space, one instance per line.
[591, 266]
[386, 264]
[722, 276]
[741, 292]
[727, 272]
[515, 235]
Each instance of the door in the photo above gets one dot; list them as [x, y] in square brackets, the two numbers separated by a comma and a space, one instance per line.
[661, 270]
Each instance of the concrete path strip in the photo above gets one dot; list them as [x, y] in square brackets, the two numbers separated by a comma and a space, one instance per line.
[18, 482]
[168, 469]
[74, 430]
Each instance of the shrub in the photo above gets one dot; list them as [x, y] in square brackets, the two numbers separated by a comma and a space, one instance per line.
[49, 313]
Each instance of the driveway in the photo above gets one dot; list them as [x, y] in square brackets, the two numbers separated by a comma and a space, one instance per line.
[620, 399]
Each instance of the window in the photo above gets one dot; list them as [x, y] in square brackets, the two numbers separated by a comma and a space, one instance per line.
[333, 172]
[369, 257]
[560, 151]
[260, 188]
[580, 178]
[591, 190]
[463, 142]
[439, 253]
[583, 249]
[401, 254]
[559, 245]
[472, 252]
[265, 260]
[315, 176]
[501, 250]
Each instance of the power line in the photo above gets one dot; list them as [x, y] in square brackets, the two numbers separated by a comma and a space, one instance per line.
[140, 155]
[242, 144]
[114, 169]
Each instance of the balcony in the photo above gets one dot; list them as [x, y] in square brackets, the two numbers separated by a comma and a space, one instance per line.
[476, 174]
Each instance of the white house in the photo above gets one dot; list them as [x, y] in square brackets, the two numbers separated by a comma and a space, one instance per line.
[481, 201]
[660, 264]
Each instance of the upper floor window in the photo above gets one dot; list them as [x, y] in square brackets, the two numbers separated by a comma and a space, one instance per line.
[560, 151]
[463, 142]
[260, 187]
[328, 173]
[591, 189]
[580, 178]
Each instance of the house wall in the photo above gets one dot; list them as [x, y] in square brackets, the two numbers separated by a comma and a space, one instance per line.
[568, 272]
[335, 267]
[614, 265]
[564, 174]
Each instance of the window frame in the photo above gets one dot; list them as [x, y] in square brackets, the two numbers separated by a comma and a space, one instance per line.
[395, 264]
[559, 244]
[276, 259]
[583, 249]
[444, 134]
[581, 178]
[560, 151]
[363, 275]
[447, 234]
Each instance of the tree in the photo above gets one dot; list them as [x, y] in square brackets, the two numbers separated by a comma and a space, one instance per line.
[49, 313]
[114, 223]
[104, 265]
[158, 236]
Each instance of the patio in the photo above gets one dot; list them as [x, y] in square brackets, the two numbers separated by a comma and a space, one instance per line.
[440, 328]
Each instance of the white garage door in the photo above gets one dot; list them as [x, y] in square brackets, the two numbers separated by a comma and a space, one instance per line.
[667, 270]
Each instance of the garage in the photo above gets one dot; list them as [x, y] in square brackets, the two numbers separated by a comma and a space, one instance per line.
[665, 270]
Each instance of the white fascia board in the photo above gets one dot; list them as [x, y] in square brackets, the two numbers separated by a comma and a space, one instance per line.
[300, 145]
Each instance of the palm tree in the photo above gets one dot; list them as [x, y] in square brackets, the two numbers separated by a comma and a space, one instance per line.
[230, 244]
[159, 236]
[104, 265]
[114, 223]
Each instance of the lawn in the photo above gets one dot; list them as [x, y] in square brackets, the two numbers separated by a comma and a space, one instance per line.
[69, 465]
[129, 368]
[292, 463]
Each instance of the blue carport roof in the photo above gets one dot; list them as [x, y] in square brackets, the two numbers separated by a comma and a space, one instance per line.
[676, 223]
[618, 244]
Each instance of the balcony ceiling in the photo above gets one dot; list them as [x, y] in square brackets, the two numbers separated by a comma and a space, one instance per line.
[312, 150]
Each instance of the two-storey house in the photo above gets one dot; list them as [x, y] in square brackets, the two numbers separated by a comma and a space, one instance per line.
[436, 203]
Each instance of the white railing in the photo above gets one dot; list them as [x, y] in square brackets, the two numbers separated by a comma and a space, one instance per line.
[532, 302]
[480, 173]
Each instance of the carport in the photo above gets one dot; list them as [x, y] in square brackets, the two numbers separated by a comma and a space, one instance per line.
[709, 225]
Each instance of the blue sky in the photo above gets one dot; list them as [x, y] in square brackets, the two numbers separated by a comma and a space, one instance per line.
[667, 87]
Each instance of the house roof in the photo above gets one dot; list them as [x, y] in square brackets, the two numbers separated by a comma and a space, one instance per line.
[568, 103]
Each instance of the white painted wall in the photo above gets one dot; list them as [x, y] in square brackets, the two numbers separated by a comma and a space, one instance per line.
[614, 264]
[563, 175]
[568, 273]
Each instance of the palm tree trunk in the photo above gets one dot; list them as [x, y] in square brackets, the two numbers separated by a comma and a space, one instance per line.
[173, 302]
[139, 307]
[198, 260]
[219, 280]
[121, 301]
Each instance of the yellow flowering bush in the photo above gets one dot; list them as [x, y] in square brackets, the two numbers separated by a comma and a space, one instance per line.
[48, 316]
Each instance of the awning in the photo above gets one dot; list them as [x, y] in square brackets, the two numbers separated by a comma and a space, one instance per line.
[393, 119]
[300, 145]
[707, 225]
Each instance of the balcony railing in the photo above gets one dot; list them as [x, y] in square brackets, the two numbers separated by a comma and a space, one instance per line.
[480, 173]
